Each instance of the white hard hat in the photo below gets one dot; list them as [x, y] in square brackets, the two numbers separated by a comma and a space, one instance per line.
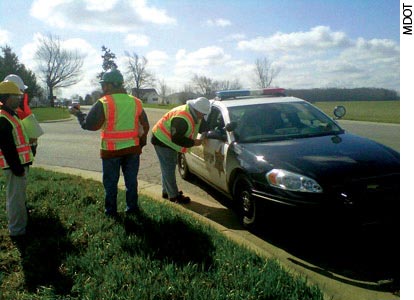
[200, 104]
[17, 80]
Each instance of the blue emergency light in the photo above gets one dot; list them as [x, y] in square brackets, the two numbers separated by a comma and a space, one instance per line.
[244, 93]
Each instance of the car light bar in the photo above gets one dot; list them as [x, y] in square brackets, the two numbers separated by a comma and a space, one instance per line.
[243, 93]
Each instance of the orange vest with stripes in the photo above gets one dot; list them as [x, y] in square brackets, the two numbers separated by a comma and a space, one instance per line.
[162, 129]
[121, 127]
[20, 139]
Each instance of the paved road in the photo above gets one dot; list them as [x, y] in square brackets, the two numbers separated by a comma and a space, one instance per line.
[65, 144]
[387, 134]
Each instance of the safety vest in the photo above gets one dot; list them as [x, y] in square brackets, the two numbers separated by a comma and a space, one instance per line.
[162, 129]
[21, 141]
[121, 127]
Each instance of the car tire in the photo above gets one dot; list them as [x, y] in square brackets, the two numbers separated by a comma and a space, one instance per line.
[183, 167]
[245, 202]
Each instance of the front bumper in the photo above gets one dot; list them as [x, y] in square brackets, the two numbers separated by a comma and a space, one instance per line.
[363, 202]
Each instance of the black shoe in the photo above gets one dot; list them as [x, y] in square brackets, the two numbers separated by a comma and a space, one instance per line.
[181, 199]
[112, 215]
[165, 195]
[131, 212]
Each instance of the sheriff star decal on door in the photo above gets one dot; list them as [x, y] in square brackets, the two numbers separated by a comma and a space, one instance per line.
[219, 161]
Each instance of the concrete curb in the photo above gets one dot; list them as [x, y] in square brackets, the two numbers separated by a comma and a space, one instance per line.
[333, 285]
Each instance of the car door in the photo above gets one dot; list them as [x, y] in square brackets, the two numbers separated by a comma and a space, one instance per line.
[215, 150]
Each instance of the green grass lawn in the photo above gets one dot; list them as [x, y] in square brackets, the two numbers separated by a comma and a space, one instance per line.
[50, 113]
[371, 111]
[72, 251]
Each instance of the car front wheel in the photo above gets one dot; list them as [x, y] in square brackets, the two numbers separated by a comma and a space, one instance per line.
[183, 167]
[246, 203]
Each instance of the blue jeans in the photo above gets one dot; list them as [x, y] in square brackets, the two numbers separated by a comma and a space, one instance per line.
[111, 169]
[168, 162]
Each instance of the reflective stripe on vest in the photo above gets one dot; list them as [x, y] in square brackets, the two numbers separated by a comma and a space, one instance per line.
[20, 139]
[162, 129]
[121, 127]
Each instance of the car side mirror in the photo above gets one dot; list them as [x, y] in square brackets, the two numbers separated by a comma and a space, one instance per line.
[231, 126]
[339, 112]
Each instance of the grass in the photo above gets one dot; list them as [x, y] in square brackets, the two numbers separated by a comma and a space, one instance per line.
[370, 111]
[72, 251]
[50, 113]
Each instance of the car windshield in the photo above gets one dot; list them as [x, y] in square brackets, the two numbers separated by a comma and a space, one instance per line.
[280, 121]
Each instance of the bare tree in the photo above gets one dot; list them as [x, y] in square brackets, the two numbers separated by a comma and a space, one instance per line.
[265, 73]
[164, 90]
[229, 85]
[207, 86]
[137, 72]
[58, 67]
[204, 85]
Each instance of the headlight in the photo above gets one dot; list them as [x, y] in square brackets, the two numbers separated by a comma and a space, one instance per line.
[291, 181]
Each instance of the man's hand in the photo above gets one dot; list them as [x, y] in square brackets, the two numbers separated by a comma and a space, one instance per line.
[198, 142]
[75, 110]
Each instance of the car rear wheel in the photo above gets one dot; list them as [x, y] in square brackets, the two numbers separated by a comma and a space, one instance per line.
[183, 167]
[245, 201]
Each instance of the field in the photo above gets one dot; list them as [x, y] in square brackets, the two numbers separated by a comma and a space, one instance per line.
[370, 111]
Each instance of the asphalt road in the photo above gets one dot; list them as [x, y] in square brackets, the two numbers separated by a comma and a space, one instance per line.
[351, 264]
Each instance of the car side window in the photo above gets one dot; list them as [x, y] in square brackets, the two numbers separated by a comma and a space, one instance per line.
[215, 120]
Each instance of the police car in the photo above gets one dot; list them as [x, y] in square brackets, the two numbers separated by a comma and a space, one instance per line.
[266, 150]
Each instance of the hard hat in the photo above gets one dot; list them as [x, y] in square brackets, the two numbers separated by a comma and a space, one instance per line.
[112, 76]
[17, 80]
[8, 87]
[200, 104]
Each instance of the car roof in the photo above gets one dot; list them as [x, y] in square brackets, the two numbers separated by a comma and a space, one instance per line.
[255, 101]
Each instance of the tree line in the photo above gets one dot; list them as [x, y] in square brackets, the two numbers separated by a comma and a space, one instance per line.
[344, 94]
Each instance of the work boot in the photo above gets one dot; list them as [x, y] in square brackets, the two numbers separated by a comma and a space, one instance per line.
[165, 195]
[181, 199]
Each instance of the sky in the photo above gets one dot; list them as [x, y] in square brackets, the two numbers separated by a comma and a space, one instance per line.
[314, 43]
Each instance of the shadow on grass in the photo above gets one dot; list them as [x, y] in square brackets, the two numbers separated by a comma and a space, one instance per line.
[171, 240]
[43, 250]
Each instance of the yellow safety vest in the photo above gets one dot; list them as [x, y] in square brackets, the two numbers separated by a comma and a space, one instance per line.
[121, 127]
[20, 139]
[162, 129]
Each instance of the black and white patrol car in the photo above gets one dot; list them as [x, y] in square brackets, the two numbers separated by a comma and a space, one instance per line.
[265, 149]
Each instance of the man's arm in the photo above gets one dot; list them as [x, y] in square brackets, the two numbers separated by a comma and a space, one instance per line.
[93, 120]
[178, 129]
[143, 121]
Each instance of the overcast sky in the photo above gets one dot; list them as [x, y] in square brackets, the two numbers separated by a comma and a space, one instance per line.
[315, 43]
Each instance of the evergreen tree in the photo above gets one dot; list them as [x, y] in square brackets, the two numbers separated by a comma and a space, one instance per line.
[9, 64]
[108, 61]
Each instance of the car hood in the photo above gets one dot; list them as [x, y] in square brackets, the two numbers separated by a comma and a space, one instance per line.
[327, 158]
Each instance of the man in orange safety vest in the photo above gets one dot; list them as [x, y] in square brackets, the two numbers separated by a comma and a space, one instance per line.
[124, 128]
[175, 132]
[15, 157]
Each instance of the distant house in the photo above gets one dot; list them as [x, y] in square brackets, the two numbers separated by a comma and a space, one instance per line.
[147, 95]
[180, 98]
